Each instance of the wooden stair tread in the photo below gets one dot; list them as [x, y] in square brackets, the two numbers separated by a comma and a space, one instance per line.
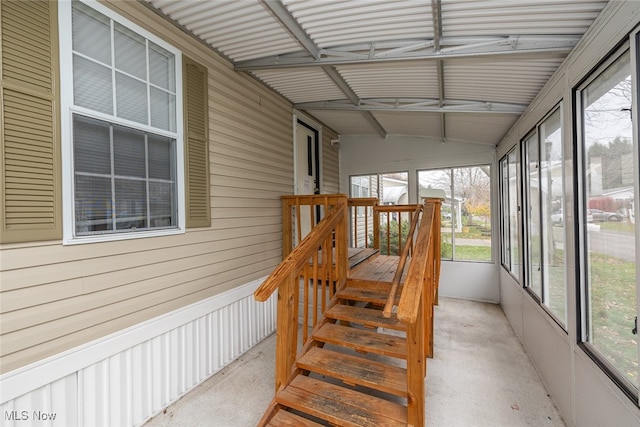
[284, 418]
[356, 370]
[339, 405]
[366, 295]
[364, 316]
[362, 340]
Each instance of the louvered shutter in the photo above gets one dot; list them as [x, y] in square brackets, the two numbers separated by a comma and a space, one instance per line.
[29, 136]
[196, 144]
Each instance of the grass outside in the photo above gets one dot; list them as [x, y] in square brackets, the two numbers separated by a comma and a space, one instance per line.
[618, 226]
[556, 300]
[612, 303]
[613, 309]
[465, 251]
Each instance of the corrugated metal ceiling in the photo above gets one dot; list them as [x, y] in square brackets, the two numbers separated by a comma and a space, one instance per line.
[449, 69]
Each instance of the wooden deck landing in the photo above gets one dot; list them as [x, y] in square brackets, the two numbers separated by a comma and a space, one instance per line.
[379, 268]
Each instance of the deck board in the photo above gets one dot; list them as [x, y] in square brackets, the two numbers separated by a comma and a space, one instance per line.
[362, 340]
[356, 370]
[379, 269]
[364, 316]
[287, 419]
[341, 406]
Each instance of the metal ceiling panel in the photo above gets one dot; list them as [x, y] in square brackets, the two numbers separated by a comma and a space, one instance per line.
[301, 85]
[515, 81]
[508, 17]
[479, 128]
[410, 123]
[416, 79]
[339, 22]
[388, 54]
[240, 29]
[345, 122]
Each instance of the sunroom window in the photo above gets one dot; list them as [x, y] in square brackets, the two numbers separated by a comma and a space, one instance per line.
[608, 220]
[466, 210]
[543, 175]
[124, 127]
[510, 213]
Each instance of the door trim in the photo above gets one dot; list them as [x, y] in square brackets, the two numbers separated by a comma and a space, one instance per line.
[306, 121]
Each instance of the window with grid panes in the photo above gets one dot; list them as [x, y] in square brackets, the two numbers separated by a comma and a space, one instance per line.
[124, 126]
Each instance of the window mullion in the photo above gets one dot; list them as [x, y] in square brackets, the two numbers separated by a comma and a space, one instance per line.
[113, 179]
[146, 174]
[453, 229]
[113, 68]
[541, 222]
[148, 82]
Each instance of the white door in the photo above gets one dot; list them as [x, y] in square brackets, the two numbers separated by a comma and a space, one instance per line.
[307, 161]
[307, 171]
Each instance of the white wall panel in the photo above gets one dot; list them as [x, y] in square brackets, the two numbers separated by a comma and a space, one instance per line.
[167, 357]
[475, 281]
[511, 301]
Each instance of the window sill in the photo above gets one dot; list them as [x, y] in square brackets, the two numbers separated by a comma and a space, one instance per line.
[101, 238]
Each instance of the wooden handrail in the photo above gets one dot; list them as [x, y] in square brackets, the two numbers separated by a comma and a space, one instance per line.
[362, 201]
[396, 208]
[411, 297]
[300, 254]
[388, 307]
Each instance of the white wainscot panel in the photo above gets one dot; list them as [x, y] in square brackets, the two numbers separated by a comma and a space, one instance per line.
[477, 281]
[128, 377]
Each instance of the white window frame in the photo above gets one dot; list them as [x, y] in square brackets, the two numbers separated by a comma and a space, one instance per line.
[452, 190]
[584, 316]
[68, 109]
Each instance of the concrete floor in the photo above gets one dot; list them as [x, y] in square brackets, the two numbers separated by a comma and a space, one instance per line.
[480, 376]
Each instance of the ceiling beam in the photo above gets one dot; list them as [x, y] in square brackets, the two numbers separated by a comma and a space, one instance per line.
[416, 105]
[355, 100]
[436, 14]
[282, 14]
[410, 50]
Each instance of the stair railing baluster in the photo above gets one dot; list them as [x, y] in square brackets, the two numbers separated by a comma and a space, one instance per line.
[309, 262]
[388, 308]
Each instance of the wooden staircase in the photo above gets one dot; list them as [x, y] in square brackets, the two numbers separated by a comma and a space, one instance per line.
[336, 380]
[356, 365]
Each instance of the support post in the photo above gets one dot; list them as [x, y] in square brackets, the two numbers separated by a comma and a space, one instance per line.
[286, 329]
[416, 370]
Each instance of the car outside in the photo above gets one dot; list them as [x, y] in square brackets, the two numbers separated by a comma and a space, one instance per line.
[446, 215]
[558, 217]
[599, 215]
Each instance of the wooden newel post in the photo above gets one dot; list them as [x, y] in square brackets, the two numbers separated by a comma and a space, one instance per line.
[416, 369]
[437, 230]
[287, 328]
[342, 237]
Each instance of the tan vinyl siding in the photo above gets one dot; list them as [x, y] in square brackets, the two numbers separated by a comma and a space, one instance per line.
[56, 297]
[29, 139]
[330, 163]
